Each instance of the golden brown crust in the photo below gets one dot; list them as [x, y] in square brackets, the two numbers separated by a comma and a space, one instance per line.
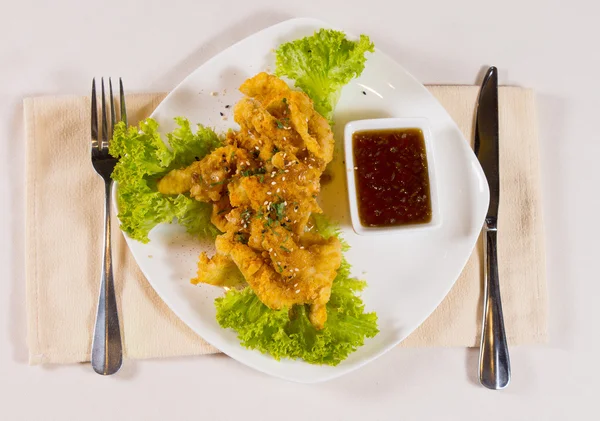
[263, 185]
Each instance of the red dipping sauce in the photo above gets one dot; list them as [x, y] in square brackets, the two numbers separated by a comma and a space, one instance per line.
[392, 179]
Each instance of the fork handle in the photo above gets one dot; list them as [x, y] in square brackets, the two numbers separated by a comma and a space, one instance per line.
[494, 361]
[107, 351]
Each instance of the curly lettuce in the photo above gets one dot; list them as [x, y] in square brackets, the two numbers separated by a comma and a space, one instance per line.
[288, 333]
[143, 159]
[322, 64]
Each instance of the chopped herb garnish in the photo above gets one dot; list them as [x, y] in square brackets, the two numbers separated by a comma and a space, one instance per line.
[248, 173]
[279, 124]
[261, 178]
[246, 214]
[284, 100]
[241, 238]
[285, 249]
[279, 210]
[217, 183]
[222, 211]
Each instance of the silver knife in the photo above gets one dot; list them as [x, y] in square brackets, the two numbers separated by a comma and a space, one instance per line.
[494, 362]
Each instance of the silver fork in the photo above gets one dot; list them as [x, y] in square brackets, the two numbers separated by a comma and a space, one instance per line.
[107, 351]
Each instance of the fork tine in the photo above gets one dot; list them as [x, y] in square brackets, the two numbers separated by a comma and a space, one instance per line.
[112, 109]
[94, 113]
[104, 143]
[122, 100]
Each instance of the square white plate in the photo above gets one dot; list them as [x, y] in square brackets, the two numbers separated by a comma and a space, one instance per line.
[407, 275]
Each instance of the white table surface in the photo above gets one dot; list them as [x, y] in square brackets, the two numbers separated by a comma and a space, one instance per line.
[49, 48]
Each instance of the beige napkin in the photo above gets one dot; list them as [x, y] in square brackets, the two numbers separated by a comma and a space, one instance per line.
[64, 237]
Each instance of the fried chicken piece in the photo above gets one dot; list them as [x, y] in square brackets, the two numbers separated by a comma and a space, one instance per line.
[206, 180]
[219, 270]
[302, 276]
[265, 88]
[276, 97]
[263, 184]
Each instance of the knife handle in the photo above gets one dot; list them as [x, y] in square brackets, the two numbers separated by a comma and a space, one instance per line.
[494, 361]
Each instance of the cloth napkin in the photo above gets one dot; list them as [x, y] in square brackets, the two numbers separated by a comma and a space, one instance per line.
[64, 240]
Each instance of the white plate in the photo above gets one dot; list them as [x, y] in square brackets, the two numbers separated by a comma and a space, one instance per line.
[408, 275]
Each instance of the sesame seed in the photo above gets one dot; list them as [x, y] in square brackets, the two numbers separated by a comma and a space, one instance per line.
[296, 284]
[273, 183]
[278, 189]
[297, 270]
[269, 193]
[297, 291]
[266, 202]
[213, 94]
[221, 114]
[285, 203]
[223, 118]
[355, 168]
[286, 170]
[284, 138]
[257, 148]
[301, 247]
[282, 178]
[271, 249]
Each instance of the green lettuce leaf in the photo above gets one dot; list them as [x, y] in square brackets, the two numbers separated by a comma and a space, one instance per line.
[322, 64]
[288, 333]
[143, 159]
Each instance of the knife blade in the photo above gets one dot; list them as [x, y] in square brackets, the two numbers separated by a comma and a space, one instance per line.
[487, 140]
[494, 361]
